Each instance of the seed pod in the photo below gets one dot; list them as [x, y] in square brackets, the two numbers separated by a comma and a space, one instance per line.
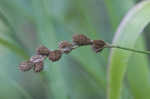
[26, 66]
[65, 46]
[38, 67]
[55, 55]
[98, 45]
[42, 50]
[37, 58]
[80, 39]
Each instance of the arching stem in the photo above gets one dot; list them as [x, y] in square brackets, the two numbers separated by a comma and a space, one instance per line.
[128, 49]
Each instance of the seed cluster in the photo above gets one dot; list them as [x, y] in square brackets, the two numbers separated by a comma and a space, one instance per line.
[36, 62]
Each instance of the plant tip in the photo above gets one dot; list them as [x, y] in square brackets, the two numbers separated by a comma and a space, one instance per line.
[98, 45]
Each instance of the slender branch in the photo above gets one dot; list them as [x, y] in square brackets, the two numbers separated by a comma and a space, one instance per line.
[128, 49]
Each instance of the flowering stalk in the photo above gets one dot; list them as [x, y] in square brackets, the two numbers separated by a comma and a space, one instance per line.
[36, 62]
[128, 49]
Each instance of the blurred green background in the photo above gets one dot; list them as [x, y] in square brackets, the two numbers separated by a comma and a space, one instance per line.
[26, 24]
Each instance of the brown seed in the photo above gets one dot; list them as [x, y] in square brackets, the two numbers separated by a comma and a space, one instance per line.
[37, 58]
[80, 39]
[65, 46]
[38, 67]
[42, 50]
[55, 55]
[98, 45]
[26, 66]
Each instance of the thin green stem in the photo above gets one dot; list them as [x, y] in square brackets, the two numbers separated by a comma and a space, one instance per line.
[128, 49]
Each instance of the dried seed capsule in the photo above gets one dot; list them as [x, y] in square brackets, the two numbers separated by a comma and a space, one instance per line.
[98, 45]
[26, 66]
[38, 67]
[37, 58]
[55, 55]
[42, 50]
[80, 39]
[65, 46]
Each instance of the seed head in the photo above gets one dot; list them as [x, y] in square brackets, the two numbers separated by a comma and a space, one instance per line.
[37, 58]
[26, 66]
[65, 46]
[42, 50]
[80, 39]
[55, 55]
[98, 45]
[38, 67]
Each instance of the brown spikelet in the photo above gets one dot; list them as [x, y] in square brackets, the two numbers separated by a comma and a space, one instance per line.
[80, 39]
[38, 67]
[42, 50]
[65, 46]
[37, 61]
[98, 45]
[55, 55]
[26, 66]
[37, 58]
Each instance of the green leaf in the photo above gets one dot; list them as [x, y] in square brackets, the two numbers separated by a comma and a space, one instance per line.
[117, 9]
[14, 48]
[15, 16]
[127, 34]
[138, 74]
[9, 86]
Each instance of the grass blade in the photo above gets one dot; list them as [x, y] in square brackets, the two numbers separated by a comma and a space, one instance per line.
[14, 48]
[138, 74]
[127, 34]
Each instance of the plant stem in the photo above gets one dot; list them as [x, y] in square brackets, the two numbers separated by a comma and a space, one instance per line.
[128, 49]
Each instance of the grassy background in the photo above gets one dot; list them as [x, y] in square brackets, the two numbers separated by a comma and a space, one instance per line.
[83, 74]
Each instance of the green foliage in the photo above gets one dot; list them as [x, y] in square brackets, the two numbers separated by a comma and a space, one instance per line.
[138, 73]
[83, 74]
[127, 34]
